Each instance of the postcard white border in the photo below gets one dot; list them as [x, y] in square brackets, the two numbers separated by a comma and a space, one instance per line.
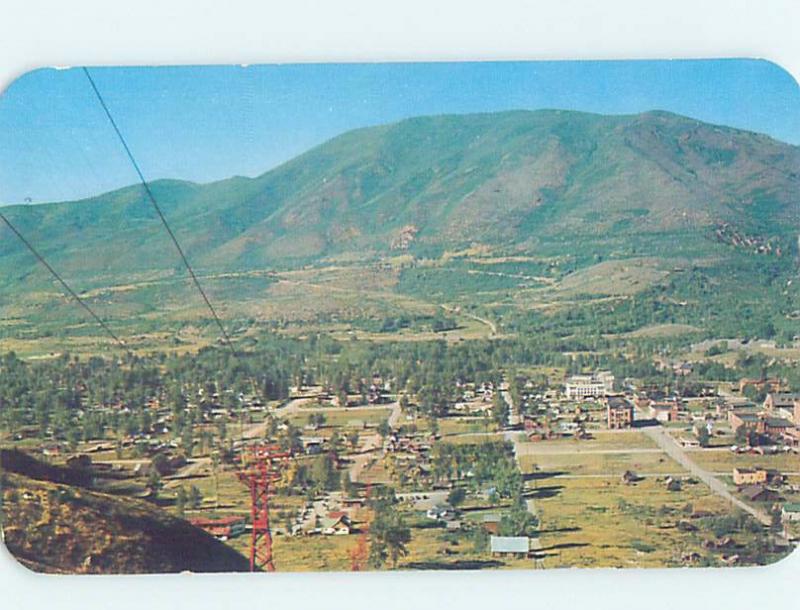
[35, 33]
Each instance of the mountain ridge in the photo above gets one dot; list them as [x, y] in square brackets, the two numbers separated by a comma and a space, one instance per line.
[514, 179]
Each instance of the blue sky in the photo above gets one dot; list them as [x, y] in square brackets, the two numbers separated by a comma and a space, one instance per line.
[209, 123]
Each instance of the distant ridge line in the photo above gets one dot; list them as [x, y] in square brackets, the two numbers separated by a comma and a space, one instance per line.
[56, 275]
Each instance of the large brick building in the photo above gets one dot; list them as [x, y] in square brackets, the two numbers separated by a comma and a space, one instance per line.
[619, 412]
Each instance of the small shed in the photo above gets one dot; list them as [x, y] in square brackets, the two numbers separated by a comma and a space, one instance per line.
[791, 511]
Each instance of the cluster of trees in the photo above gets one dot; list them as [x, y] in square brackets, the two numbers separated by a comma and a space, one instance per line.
[190, 500]
[483, 466]
[388, 532]
[319, 475]
[57, 398]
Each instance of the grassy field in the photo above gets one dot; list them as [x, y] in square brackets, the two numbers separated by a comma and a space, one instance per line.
[339, 418]
[725, 461]
[608, 465]
[624, 439]
[450, 426]
[574, 458]
[596, 522]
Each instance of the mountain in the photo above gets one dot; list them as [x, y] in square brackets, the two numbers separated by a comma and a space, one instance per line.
[54, 525]
[512, 180]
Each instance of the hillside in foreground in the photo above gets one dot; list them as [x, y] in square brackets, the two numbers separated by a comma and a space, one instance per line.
[58, 528]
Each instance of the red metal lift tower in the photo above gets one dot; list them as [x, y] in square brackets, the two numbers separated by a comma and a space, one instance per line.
[261, 468]
[359, 555]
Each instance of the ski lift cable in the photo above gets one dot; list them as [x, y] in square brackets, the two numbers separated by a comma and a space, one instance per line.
[158, 209]
[55, 274]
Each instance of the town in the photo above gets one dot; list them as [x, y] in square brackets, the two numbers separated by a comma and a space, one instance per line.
[537, 471]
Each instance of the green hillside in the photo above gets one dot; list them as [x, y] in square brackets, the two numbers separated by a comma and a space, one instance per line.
[507, 178]
[564, 189]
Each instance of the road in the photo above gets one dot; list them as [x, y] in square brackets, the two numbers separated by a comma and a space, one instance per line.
[576, 449]
[515, 438]
[373, 442]
[492, 326]
[676, 452]
[514, 415]
[191, 469]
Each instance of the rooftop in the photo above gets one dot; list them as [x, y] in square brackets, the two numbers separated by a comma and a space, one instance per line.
[510, 544]
[778, 422]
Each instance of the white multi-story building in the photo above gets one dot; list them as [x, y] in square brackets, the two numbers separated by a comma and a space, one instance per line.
[596, 385]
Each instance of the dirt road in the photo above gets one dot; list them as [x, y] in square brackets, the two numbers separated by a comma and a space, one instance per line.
[373, 443]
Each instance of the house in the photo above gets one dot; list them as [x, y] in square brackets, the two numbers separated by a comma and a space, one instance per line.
[338, 525]
[781, 400]
[771, 385]
[221, 528]
[52, 450]
[629, 477]
[491, 523]
[665, 411]
[791, 437]
[443, 512]
[682, 369]
[749, 476]
[758, 493]
[747, 418]
[619, 412]
[673, 484]
[510, 545]
[791, 511]
[529, 424]
[313, 445]
[773, 426]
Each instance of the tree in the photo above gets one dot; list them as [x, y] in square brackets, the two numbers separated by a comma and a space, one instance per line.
[480, 540]
[500, 409]
[324, 474]
[517, 521]
[215, 470]
[73, 438]
[317, 420]
[457, 496]
[154, 483]
[180, 501]
[336, 442]
[703, 436]
[348, 486]
[389, 536]
[384, 429]
[195, 497]
[187, 440]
